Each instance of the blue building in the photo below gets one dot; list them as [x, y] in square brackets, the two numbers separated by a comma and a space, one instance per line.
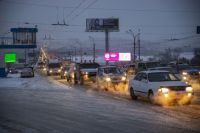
[23, 40]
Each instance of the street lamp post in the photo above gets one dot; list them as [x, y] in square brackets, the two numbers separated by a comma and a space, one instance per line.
[134, 43]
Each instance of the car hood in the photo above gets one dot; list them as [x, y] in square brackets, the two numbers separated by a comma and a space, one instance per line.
[167, 83]
[112, 75]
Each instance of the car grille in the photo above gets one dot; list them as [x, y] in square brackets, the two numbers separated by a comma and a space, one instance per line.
[177, 88]
[194, 74]
[116, 78]
[92, 74]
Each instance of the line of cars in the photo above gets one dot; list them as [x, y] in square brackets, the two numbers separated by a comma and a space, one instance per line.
[81, 73]
[23, 69]
[160, 84]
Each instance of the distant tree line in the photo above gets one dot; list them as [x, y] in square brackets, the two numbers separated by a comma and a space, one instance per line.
[169, 55]
[196, 59]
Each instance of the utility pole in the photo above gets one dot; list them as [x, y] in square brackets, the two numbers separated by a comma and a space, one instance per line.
[74, 50]
[94, 49]
[81, 50]
[107, 42]
[139, 43]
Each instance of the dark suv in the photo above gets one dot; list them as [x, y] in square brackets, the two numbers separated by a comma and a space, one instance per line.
[85, 72]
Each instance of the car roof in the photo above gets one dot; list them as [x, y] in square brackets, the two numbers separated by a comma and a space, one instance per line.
[153, 71]
[192, 70]
[148, 62]
[107, 66]
[160, 67]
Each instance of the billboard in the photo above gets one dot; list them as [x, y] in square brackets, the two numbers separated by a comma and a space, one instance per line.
[102, 24]
[111, 56]
[115, 56]
[124, 56]
[9, 57]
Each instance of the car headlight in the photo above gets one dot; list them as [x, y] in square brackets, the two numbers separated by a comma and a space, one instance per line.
[84, 73]
[184, 73]
[164, 90]
[184, 78]
[123, 78]
[108, 79]
[189, 89]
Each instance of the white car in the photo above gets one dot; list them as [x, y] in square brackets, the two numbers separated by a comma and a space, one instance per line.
[161, 87]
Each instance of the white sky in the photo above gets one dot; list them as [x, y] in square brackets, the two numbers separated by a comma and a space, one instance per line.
[157, 19]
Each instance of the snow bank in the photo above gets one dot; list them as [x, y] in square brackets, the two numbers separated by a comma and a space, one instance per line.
[38, 82]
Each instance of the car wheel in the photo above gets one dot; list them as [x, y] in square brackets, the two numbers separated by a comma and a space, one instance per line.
[151, 97]
[68, 79]
[48, 74]
[81, 81]
[133, 96]
[98, 84]
[188, 102]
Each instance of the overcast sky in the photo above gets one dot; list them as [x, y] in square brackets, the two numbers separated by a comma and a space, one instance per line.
[157, 19]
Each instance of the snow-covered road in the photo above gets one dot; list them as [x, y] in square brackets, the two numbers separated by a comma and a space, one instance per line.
[41, 105]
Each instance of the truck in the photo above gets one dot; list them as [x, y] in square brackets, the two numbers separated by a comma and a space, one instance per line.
[84, 72]
[53, 67]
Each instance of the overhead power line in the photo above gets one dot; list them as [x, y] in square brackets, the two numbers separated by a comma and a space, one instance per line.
[92, 3]
[78, 6]
[106, 9]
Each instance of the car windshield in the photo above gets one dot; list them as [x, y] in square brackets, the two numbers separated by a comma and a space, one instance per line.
[113, 70]
[152, 64]
[54, 65]
[67, 68]
[162, 76]
[166, 69]
[89, 65]
[184, 67]
[27, 69]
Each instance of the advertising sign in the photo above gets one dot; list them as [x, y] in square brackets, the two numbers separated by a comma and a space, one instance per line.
[102, 24]
[124, 56]
[10, 57]
[111, 56]
[115, 56]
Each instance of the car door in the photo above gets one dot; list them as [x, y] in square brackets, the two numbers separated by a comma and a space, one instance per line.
[143, 86]
[136, 83]
[100, 76]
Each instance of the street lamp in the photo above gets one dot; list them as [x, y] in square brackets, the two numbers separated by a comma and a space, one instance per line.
[134, 42]
[94, 49]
